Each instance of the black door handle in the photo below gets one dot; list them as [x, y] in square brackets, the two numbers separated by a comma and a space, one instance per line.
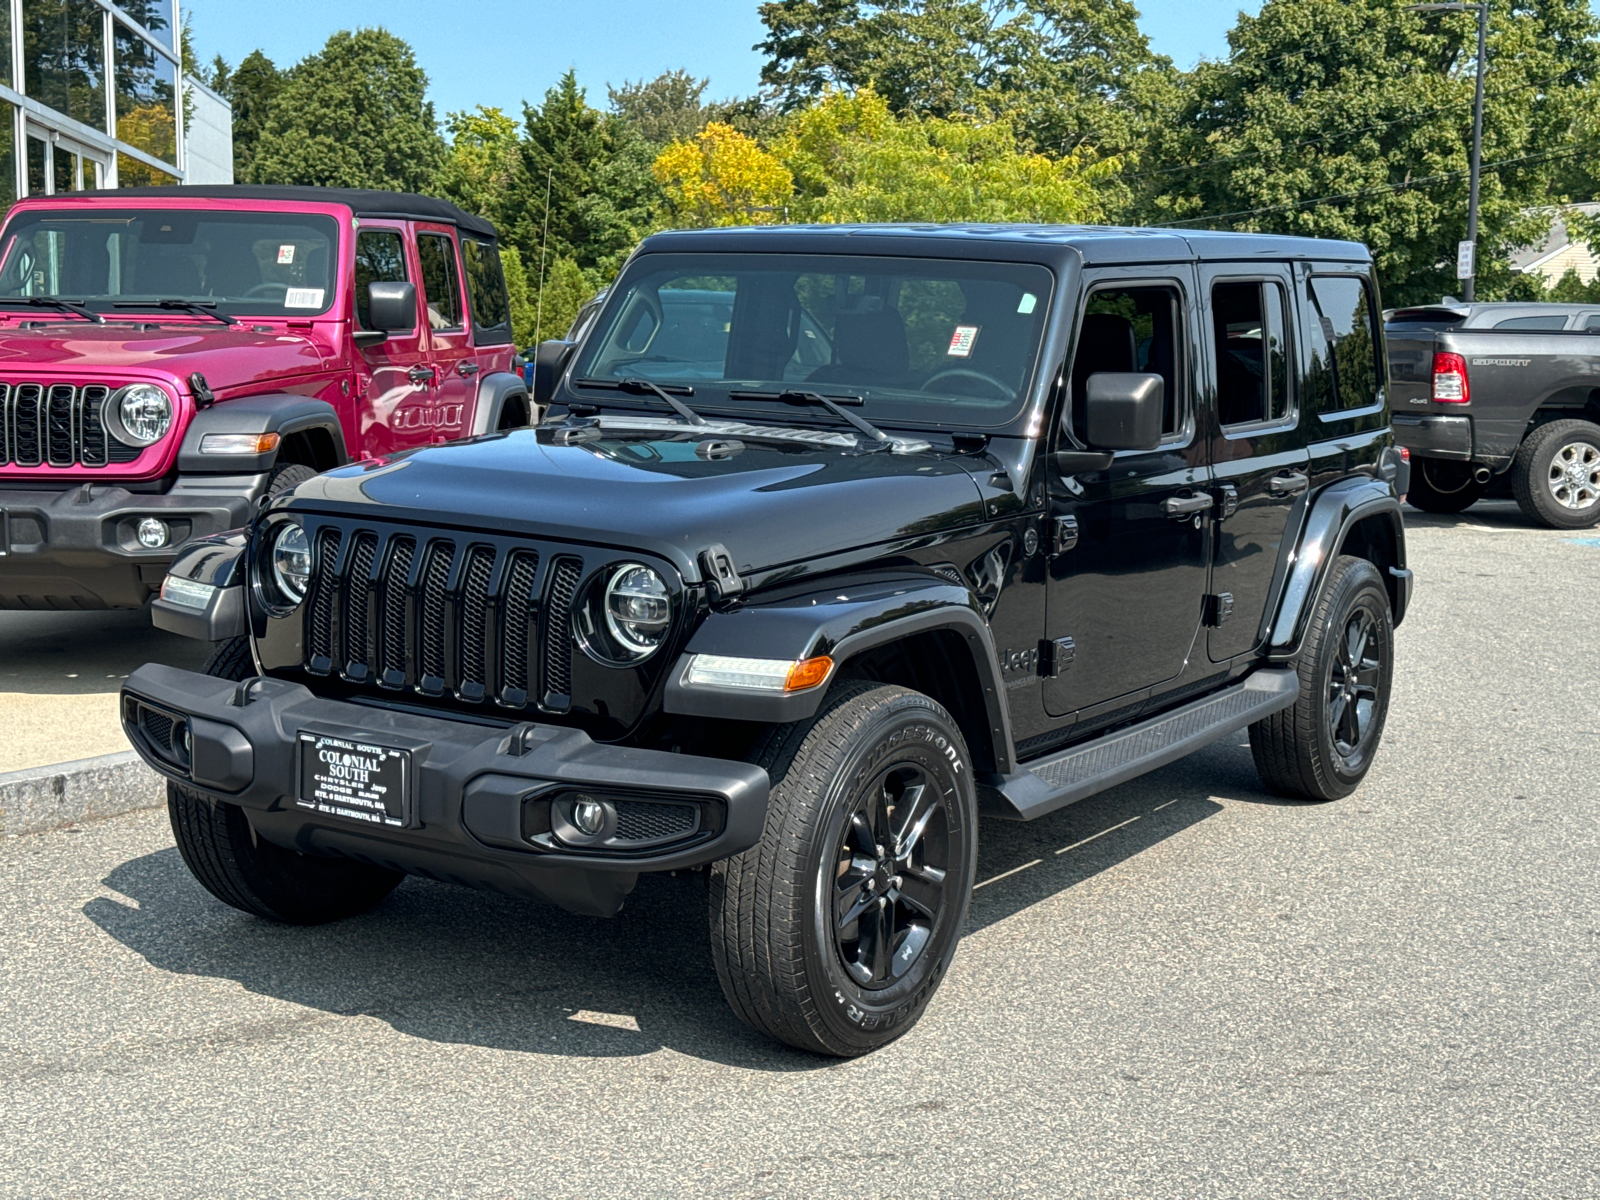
[1291, 484]
[467, 369]
[420, 374]
[1181, 508]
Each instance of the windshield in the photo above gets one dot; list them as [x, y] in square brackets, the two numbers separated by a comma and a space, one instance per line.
[243, 264]
[920, 340]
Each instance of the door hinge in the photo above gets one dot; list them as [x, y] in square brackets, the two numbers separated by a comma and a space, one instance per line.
[1066, 534]
[720, 570]
[1058, 657]
[1227, 501]
[1218, 608]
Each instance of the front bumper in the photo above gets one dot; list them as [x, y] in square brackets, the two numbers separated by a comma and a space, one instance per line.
[1434, 435]
[79, 548]
[475, 788]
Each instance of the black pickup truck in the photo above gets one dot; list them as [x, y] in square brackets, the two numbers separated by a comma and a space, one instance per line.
[1488, 390]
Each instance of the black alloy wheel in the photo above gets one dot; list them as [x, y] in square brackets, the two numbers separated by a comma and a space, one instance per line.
[1354, 702]
[889, 890]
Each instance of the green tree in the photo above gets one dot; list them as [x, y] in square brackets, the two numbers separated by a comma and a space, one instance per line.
[356, 114]
[595, 171]
[1352, 119]
[251, 87]
[662, 110]
[480, 169]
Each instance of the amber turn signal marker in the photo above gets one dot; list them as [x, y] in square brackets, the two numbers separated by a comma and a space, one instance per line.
[266, 442]
[807, 673]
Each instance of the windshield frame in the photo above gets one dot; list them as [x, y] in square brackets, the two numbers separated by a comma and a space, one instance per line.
[132, 307]
[712, 397]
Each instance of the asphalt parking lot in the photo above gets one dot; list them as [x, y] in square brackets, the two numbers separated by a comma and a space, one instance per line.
[1181, 988]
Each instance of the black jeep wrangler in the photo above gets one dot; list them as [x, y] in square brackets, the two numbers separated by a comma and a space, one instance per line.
[834, 539]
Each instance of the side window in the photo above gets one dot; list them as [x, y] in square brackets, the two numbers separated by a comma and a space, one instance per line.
[1593, 322]
[1130, 329]
[1548, 321]
[486, 292]
[1252, 352]
[1344, 342]
[380, 258]
[441, 286]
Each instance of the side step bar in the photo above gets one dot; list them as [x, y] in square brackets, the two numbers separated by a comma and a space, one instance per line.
[1046, 784]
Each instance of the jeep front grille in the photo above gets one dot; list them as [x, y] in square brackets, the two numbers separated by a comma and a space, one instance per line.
[442, 615]
[57, 425]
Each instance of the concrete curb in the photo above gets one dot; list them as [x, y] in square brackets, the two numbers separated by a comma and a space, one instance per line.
[48, 797]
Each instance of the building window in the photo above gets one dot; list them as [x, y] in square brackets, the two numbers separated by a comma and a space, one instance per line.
[37, 152]
[5, 57]
[8, 157]
[134, 172]
[147, 89]
[154, 15]
[63, 54]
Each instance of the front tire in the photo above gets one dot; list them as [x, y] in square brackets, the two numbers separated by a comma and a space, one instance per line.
[1441, 486]
[1322, 746]
[833, 932]
[1556, 475]
[250, 873]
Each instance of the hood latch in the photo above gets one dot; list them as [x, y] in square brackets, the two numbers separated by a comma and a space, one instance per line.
[720, 571]
[204, 397]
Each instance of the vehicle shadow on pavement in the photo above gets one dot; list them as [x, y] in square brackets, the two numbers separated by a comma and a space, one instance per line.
[451, 965]
[1498, 515]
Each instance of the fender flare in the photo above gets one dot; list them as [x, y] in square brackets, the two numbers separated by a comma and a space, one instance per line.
[217, 562]
[278, 413]
[1329, 520]
[841, 621]
[494, 390]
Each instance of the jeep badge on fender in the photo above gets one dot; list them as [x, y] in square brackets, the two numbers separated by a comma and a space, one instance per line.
[765, 596]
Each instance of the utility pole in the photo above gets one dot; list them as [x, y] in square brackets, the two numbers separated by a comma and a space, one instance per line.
[1467, 254]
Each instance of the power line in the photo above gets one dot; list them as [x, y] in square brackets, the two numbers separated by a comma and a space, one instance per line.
[1377, 191]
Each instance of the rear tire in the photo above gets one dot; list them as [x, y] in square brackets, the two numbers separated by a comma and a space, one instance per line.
[239, 868]
[1322, 746]
[1441, 486]
[833, 932]
[1556, 475]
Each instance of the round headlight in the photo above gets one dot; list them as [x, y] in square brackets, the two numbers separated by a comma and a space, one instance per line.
[140, 414]
[291, 561]
[638, 609]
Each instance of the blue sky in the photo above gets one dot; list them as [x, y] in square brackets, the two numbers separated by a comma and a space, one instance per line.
[501, 52]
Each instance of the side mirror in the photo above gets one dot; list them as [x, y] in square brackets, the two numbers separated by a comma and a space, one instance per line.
[1123, 411]
[549, 360]
[392, 307]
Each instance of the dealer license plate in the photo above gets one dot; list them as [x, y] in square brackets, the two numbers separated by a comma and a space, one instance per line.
[356, 780]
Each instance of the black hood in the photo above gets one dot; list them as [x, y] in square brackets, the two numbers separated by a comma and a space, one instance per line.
[771, 505]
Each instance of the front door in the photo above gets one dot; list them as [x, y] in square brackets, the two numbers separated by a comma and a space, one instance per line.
[450, 351]
[1132, 542]
[393, 376]
[1258, 453]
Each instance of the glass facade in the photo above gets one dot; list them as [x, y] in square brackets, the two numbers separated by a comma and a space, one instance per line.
[97, 101]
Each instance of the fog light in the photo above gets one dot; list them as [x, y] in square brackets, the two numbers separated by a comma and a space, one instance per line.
[153, 533]
[588, 815]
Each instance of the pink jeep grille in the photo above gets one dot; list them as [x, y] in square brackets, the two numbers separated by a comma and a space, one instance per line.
[57, 425]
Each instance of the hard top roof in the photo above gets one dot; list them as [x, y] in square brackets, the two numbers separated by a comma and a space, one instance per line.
[360, 201]
[1096, 243]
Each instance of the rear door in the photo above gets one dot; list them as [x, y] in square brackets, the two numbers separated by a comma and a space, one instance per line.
[489, 307]
[450, 352]
[1259, 460]
[397, 410]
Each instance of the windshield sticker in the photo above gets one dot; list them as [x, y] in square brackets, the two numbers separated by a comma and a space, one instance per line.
[303, 298]
[285, 254]
[961, 341]
[1025, 305]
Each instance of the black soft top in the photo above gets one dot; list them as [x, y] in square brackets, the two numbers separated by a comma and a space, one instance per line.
[361, 202]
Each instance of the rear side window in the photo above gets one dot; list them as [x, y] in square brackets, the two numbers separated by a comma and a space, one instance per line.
[486, 292]
[440, 284]
[380, 258]
[1593, 322]
[1129, 330]
[1252, 352]
[1551, 321]
[1344, 342]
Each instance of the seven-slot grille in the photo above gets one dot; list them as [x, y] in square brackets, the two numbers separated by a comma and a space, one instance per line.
[442, 614]
[57, 425]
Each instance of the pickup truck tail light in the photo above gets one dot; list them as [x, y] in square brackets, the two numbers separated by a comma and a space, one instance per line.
[1450, 384]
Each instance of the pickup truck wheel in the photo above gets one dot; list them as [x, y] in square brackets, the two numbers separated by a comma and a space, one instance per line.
[833, 932]
[1556, 475]
[250, 873]
[1321, 747]
[1441, 486]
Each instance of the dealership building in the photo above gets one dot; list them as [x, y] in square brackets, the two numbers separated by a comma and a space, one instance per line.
[92, 89]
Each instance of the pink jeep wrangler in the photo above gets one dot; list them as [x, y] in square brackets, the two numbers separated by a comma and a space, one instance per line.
[172, 357]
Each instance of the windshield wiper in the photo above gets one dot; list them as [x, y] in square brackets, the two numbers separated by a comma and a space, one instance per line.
[59, 305]
[641, 387]
[203, 308]
[831, 403]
